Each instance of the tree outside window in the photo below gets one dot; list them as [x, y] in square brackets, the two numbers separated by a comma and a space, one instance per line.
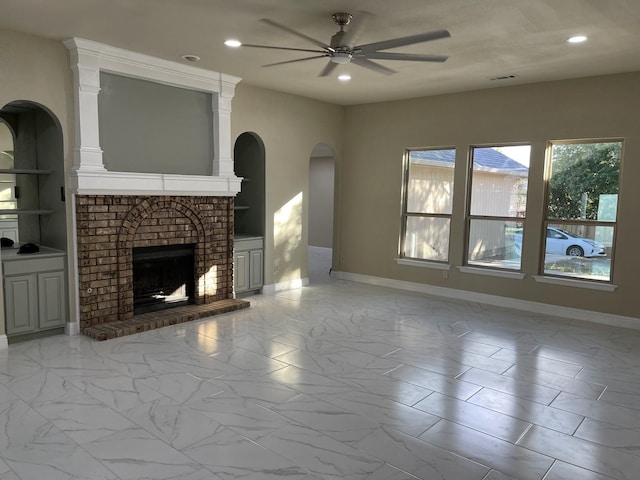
[582, 203]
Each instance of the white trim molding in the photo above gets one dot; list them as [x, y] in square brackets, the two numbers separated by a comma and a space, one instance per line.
[131, 183]
[423, 263]
[492, 272]
[71, 329]
[4, 343]
[89, 175]
[572, 282]
[498, 301]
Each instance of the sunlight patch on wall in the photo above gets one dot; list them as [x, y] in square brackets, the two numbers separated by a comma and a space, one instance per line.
[207, 283]
[287, 234]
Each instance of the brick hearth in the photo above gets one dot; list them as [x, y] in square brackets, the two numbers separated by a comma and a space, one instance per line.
[110, 226]
[153, 320]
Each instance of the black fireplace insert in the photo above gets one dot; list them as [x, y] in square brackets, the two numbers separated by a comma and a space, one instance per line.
[163, 277]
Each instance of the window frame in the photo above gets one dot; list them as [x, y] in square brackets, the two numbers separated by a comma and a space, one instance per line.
[469, 217]
[405, 215]
[547, 221]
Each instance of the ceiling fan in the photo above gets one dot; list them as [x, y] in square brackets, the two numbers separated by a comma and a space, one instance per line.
[342, 48]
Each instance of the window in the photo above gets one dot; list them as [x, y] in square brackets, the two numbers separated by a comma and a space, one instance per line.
[582, 201]
[497, 205]
[427, 204]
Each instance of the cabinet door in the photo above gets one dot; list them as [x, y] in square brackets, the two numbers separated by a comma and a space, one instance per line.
[51, 300]
[241, 271]
[255, 271]
[21, 303]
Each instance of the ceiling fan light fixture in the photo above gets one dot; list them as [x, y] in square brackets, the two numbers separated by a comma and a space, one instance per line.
[345, 77]
[341, 57]
[233, 43]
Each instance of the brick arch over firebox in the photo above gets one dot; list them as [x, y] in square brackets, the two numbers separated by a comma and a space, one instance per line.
[159, 221]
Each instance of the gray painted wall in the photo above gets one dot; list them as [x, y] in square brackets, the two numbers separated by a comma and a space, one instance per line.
[153, 128]
[321, 181]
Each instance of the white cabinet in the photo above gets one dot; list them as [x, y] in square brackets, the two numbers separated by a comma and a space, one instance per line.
[51, 299]
[248, 264]
[35, 292]
[21, 307]
[255, 269]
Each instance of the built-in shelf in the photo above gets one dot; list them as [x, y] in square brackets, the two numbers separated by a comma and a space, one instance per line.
[25, 212]
[241, 207]
[25, 171]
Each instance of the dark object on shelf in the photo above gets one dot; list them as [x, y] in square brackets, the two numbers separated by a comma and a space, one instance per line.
[6, 242]
[29, 248]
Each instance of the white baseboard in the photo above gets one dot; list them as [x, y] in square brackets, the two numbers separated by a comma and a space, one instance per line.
[4, 343]
[282, 286]
[498, 301]
[71, 328]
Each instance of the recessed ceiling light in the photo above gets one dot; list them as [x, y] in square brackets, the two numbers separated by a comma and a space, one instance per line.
[190, 58]
[345, 77]
[233, 43]
[577, 39]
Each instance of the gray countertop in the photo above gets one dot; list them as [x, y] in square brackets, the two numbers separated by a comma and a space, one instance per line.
[8, 254]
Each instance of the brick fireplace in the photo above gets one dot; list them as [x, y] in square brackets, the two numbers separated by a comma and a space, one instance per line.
[109, 227]
[149, 200]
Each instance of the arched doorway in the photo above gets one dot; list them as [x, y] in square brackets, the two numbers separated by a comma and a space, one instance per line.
[322, 166]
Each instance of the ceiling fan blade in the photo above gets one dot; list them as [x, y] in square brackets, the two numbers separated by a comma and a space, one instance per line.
[400, 42]
[283, 48]
[376, 67]
[355, 28]
[406, 56]
[330, 67]
[294, 61]
[273, 23]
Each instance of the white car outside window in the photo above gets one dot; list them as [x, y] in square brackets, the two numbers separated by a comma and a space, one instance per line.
[560, 242]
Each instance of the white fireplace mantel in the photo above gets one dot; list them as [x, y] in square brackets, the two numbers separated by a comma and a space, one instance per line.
[88, 174]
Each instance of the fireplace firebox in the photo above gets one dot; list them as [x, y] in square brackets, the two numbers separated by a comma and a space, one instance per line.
[163, 277]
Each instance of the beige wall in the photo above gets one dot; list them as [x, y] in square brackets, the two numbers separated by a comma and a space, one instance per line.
[371, 177]
[290, 128]
[369, 165]
[37, 70]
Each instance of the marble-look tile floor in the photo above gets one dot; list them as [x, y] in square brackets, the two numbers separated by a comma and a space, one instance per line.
[337, 380]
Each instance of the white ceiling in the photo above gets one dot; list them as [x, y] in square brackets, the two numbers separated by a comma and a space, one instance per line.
[489, 38]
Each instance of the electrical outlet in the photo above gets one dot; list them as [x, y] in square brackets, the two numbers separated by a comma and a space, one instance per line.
[342, 259]
[445, 274]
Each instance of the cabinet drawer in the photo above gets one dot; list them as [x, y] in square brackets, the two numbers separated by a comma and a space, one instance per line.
[33, 265]
[248, 244]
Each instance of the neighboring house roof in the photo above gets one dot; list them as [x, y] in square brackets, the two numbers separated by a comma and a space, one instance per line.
[485, 159]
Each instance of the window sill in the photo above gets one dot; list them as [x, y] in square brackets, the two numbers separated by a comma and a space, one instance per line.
[570, 282]
[423, 264]
[492, 273]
